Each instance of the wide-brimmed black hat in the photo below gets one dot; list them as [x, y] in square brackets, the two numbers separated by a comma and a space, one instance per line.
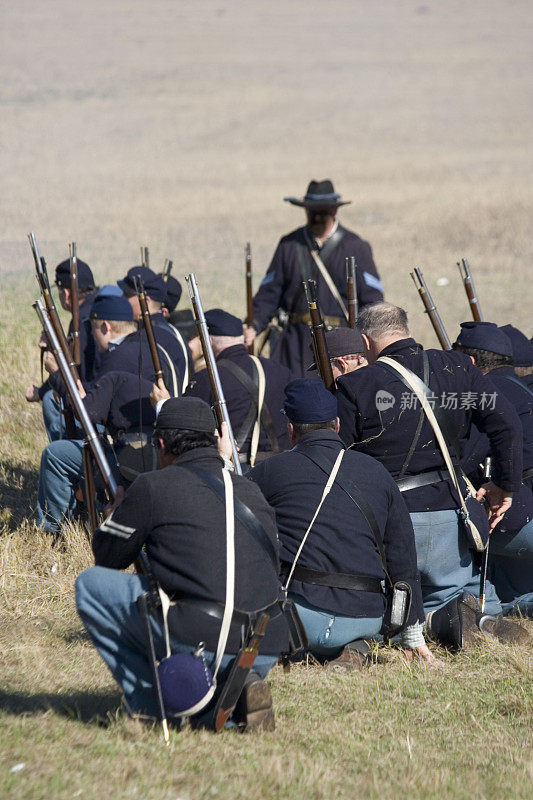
[320, 194]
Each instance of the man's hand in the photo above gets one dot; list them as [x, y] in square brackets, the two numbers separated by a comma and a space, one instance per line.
[81, 391]
[249, 335]
[50, 363]
[31, 394]
[119, 497]
[224, 442]
[424, 654]
[499, 500]
[159, 392]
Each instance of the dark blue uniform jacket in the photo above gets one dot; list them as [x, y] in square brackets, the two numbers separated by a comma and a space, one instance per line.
[282, 288]
[387, 433]
[181, 522]
[238, 398]
[477, 448]
[340, 539]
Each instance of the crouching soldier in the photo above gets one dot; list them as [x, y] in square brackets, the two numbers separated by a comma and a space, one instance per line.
[344, 530]
[217, 571]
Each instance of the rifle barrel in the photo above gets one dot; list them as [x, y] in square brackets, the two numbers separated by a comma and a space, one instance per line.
[249, 292]
[470, 290]
[431, 309]
[75, 305]
[220, 408]
[351, 291]
[89, 430]
[318, 334]
[147, 322]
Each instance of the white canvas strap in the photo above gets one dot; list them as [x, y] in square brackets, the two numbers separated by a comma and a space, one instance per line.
[417, 386]
[229, 600]
[260, 400]
[329, 280]
[327, 489]
[174, 387]
[183, 346]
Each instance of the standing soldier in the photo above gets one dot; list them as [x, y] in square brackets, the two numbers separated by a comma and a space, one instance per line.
[317, 251]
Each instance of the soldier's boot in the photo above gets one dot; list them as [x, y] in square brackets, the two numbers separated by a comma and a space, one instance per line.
[355, 656]
[254, 707]
[445, 625]
[460, 622]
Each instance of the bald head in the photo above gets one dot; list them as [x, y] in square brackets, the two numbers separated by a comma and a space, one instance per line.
[380, 325]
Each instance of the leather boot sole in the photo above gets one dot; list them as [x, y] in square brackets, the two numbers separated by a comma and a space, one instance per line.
[256, 707]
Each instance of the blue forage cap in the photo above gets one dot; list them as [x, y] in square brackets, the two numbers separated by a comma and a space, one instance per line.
[485, 336]
[185, 680]
[173, 293]
[154, 285]
[522, 347]
[220, 323]
[85, 275]
[308, 401]
[109, 290]
[112, 307]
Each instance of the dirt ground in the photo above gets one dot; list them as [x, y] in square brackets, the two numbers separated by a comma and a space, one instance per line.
[183, 125]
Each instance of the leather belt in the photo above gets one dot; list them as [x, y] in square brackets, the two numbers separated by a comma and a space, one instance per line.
[329, 322]
[424, 479]
[335, 580]
[215, 609]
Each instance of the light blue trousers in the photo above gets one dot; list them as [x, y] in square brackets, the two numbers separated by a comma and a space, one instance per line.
[107, 605]
[511, 568]
[445, 563]
[328, 633]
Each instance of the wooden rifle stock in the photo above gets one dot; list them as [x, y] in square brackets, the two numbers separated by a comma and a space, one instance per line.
[431, 309]
[470, 289]
[75, 305]
[351, 291]
[147, 322]
[318, 334]
[219, 406]
[249, 294]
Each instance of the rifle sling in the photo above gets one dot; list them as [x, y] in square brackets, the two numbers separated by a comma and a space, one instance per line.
[304, 248]
[315, 455]
[244, 514]
[514, 379]
[252, 387]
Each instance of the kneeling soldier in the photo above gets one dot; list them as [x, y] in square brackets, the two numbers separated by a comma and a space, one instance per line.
[335, 561]
[180, 520]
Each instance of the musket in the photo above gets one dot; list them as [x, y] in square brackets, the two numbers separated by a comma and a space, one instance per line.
[145, 257]
[487, 468]
[75, 305]
[318, 336]
[167, 269]
[219, 406]
[470, 289]
[431, 309]
[44, 285]
[351, 291]
[147, 322]
[76, 402]
[95, 453]
[249, 294]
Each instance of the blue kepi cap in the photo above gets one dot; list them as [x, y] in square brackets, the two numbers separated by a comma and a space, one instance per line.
[485, 336]
[112, 307]
[308, 401]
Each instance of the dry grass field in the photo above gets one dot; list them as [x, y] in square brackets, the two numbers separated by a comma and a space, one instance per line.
[181, 126]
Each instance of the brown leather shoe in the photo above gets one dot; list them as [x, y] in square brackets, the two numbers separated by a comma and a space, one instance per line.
[349, 660]
[254, 708]
[506, 631]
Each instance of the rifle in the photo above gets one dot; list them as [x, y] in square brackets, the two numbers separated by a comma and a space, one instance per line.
[145, 315]
[94, 451]
[219, 406]
[145, 257]
[167, 269]
[351, 291]
[318, 336]
[75, 305]
[44, 285]
[249, 294]
[431, 309]
[470, 289]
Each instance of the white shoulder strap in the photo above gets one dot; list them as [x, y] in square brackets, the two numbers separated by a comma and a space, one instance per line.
[174, 388]
[329, 280]
[327, 489]
[408, 377]
[260, 400]
[183, 346]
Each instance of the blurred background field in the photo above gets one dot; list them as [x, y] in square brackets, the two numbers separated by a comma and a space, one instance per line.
[181, 126]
